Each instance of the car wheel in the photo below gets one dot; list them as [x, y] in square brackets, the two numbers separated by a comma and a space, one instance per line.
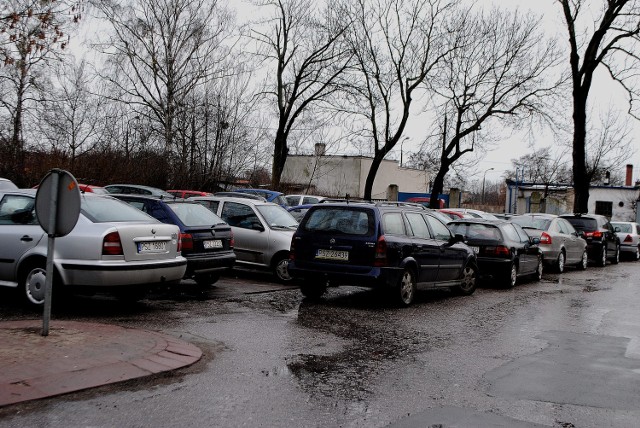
[313, 289]
[33, 284]
[406, 288]
[206, 279]
[636, 256]
[281, 268]
[616, 256]
[584, 262]
[512, 276]
[560, 262]
[537, 275]
[469, 280]
[602, 262]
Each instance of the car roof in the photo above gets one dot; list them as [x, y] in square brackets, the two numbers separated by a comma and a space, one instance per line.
[247, 201]
[480, 221]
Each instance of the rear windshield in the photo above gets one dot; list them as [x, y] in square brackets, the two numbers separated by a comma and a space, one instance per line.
[626, 228]
[476, 231]
[105, 209]
[582, 223]
[340, 220]
[534, 222]
[192, 214]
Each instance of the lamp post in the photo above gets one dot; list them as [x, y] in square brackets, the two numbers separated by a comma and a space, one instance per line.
[401, 144]
[483, 179]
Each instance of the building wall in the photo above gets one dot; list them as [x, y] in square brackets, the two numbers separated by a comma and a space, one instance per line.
[623, 201]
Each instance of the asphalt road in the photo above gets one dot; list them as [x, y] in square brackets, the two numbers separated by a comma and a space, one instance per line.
[563, 352]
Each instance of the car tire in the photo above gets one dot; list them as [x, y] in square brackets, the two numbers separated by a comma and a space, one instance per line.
[206, 279]
[281, 268]
[537, 275]
[636, 256]
[602, 261]
[406, 289]
[560, 263]
[584, 261]
[468, 281]
[313, 289]
[616, 256]
[32, 284]
[511, 277]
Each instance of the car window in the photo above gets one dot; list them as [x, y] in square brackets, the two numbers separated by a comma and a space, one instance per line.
[310, 200]
[625, 228]
[565, 227]
[277, 217]
[393, 223]
[521, 233]
[440, 231]
[510, 232]
[17, 209]
[292, 200]
[581, 223]
[101, 210]
[418, 225]
[194, 214]
[240, 215]
[347, 220]
[212, 205]
[476, 231]
[637, 227]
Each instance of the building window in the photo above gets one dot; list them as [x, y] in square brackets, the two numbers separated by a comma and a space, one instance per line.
[604, 208]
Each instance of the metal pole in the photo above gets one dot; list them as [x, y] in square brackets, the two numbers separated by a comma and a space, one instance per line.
[483, 178]
[50, 247]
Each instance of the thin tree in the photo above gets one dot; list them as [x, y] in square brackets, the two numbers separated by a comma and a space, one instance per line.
[611, 45]
[498, 75]
[301, 41]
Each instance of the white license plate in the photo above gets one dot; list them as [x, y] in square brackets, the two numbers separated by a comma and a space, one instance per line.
[212, 244]
[332, 255]
[152, 246]
[476, 249]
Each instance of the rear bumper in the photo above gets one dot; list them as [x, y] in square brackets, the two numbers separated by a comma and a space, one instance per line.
[628, 248]
[208, 263]
[594, 249]
[493, 268]
[361, 276]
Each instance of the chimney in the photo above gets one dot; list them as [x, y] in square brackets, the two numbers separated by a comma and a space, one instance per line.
[628, 179]
[320, 149]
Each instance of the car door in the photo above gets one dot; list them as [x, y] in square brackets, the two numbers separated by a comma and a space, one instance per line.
[251, 237]
[573, 244]
[19, 232]
[425, 249]
[521, 247]
[452, 257]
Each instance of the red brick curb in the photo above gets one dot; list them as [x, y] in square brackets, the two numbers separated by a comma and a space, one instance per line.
[78, 355]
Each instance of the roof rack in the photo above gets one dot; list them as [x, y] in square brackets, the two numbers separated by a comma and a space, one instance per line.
[400, 204]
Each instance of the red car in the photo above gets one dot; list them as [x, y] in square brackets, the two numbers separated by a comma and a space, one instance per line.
[423, 200]
[188, 193]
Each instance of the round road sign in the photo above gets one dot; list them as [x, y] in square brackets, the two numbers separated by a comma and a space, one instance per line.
[58, 191]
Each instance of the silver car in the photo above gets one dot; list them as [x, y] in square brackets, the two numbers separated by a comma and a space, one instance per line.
[628, 235]
[559, 241]
[262, 231]
[113, 247]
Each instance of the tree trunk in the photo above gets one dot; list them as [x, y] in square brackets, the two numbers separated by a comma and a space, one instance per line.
[280, 152]
[371, 176]
[580, 178]
[438, 187]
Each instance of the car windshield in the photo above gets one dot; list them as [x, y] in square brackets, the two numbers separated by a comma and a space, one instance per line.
[582, 224]
[476, 231]
[280, 200]
[347, 221]
[539, 223]
[193, 214]
[106, 209]
[625, 228]
[277, 217]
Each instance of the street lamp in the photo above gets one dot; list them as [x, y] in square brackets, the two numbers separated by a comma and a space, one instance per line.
[483, 179]
[401, 144]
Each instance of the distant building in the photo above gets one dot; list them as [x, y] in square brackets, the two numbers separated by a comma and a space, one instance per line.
[337, 176]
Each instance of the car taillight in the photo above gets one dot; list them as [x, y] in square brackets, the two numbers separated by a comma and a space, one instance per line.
[111, 245]
[380, 258]
[545, 238]
[628, 239]
[292, 256]
[497, 251]
[596, 234]
[187, 241]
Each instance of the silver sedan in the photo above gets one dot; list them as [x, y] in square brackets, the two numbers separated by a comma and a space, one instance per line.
[113, 247]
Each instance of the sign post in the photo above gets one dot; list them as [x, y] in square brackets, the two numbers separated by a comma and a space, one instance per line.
[57, 210]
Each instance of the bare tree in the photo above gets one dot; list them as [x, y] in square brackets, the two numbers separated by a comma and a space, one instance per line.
[612, 44]
[301, 41]
[161, 53]
[498, 73]
[397, 44]
[541, 166]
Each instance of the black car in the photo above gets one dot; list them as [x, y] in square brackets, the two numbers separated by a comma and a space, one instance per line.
[602, 242]
[207, 241]
[505, 251]
[391, 245]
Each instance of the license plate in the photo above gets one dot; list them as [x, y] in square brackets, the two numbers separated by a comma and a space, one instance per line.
[332, 255]
[152, 246]
[476, 249]
[212, 244]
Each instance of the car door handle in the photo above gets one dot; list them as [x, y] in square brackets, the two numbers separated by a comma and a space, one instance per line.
[26, 238]
[418, 246]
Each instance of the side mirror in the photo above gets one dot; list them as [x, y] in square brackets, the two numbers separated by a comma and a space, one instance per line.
[458, 237]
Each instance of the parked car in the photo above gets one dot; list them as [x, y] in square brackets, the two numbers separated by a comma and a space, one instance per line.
[6, 184]
[135, 189]
[90, 188]
[184, 194]
[298, 211]
[560, 243]
[602, 242]
[454, 215]
[269, 195]
[394, 246]
[295, 200]
[628, 235]
[113, 247]
[505, 251]
[473, 213]
[425, 201]
[240, 195]
[262, 232]
[207, 241]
